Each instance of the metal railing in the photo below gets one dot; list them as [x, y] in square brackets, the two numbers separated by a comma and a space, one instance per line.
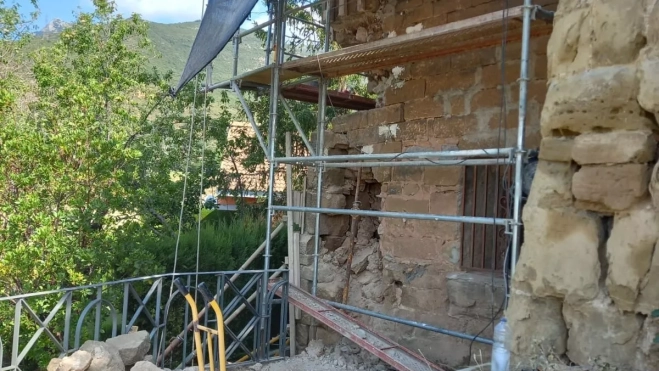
[56, 323]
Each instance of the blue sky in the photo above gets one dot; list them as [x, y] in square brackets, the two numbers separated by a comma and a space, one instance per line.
[163, 11]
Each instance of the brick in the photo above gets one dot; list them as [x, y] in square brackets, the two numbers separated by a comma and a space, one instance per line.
[410, 90]
[406, 173]
[423, 108]
[473, 59]
[382, 174]
[512, 118]
[385, 115]
[361, 137]
[411, 130]
[443, 231]
[411, 189]
[453, 80]
[396, 203]
[344, 123]
[442, 175]
[457, 105]
[428, 67]
[616, 147]
[388, 147]
[610, 188]
[556, 149]
[443, 7]
[486, 98]
[453, 127]
[444, 203]
[491, 77]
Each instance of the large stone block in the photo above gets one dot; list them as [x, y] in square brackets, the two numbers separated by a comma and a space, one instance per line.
[597, 329]
[405, 91]
[648, 94]
[648, 298]
[560, 253]
[536, 325]
[132, 347]
[78, 361]
[474, 294]
[385, 115]
[105, 357]
[610, 188]
[594, 100]
[552, 185]
[616, 147]
[629, 252]
[565, 40]
[424, 108]
[556, 149]
[618, 27]
[333, 201]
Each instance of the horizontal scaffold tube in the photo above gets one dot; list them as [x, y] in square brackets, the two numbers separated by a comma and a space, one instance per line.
[475, 162]
[416, 324]
[457, 155]
[399, 215]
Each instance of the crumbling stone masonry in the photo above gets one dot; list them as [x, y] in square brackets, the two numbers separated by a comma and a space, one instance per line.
[409, 268]
[588, 275]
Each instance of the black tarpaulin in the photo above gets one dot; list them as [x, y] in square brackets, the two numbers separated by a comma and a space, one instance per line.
[220, 22]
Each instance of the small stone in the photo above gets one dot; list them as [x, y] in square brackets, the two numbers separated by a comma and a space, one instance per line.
[145, 366]
[53, 364]
[256, 367]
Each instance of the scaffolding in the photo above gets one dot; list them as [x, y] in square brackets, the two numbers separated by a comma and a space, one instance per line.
[526, 21]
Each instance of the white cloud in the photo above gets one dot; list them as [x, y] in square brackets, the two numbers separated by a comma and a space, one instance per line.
[162, 10]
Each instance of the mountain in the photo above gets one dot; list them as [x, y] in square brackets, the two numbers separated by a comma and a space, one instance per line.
[172, 44]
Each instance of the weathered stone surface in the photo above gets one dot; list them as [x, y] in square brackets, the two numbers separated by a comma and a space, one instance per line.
[470, 294]
[653, 187]
[610, 188]
[629, 252]
[598, 329]
[132, 347]
[552, 185]
[536, 325]
[648, 298]
[144, 366]
[618, 27]
[53, 364]
[556, 149]
[616, 147]
[78, 361]
[648, 355]
[105, 357]
[335, 140]
[560, 254]
[594, 100]
[333, 201]
[564, 43]
[648, 94]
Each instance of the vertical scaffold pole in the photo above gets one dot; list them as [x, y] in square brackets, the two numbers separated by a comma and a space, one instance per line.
[519, 148]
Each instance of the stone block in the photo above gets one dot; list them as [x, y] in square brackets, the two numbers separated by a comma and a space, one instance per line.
[413, 130]
[385, 115]
[595, 100]
[629, 252]
[451, 81]
[453, 127]
[105, 357]
[423, 299]
[618, 27]
[556, 149]
[132, 347]
[424, 108]
[442, 175]
[648, 298]
[610, 188]
[333, 201]
[566, 43]
[470, 294]
[616, 147]
[487, 98]
[326, 273]
[330, 225]
[597, 329]
[536, 326]
[388, 147]
[560, 253]
[409, 249]
[405, 204]
[348, 122]
[306, 243]
[405, 91]
[444, 203]
[552, 185]
[332, 243]
[335, 140]
[407, 174]
[648, 94]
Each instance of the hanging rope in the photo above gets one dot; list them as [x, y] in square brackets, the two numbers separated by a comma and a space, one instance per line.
[201, 176]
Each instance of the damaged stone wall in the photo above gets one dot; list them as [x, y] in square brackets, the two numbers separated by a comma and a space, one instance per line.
[408, 268]
[588, 274]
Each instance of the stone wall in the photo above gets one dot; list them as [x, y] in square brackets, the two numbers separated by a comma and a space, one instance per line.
[588, 274]
[408, 268]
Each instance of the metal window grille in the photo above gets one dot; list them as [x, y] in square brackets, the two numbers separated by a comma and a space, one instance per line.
[483, 195]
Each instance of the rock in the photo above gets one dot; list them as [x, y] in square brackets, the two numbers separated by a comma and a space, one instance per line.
[648, 355]
[566, 43]
[78, 361]
[617, 147]
[653, 187]
[648, 94]
[536, 325]
[556, 149]
[552, 185]
[361, 35]
[360, 260]
[560, 254]
[598, 329]
[610, 188]
[629, 252]
[316, 348]
[617, 35]
[144, 366]
[132, 347]
[105, 357]
[53, 364]
[256, 367]
[648, 298]
[470, 294]
[333, 201]
[594, 100]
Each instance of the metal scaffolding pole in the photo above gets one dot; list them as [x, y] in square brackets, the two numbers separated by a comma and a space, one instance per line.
[519, 148]
[279, 32]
